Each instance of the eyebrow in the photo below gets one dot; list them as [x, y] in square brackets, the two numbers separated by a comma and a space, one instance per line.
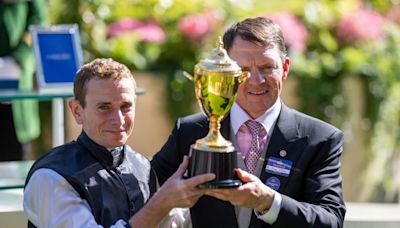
[103, 103]
[110, 103]
[268, 64]
[264, 65]
[127, 102]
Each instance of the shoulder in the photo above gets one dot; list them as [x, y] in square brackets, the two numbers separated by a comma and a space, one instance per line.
[63, 159]
[139, 164]
[192, 123]
[311, 126]
[136, 157]
[196, 119]
[45, 177]
[56, 154]
[46, 167]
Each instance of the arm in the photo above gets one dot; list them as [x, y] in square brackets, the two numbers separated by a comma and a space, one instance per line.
[176, 192]
[37, 12]
[49, 201]
[36, 15]
[322, 204]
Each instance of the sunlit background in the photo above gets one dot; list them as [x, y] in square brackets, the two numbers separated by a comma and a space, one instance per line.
[345, 68]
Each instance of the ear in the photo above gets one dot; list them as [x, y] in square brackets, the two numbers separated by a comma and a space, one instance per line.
[76, 110]
[286, 66]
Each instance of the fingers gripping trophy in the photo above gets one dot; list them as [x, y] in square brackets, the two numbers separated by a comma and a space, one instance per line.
[216, 81]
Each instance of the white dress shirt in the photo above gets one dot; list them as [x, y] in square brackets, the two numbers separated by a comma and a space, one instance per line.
[268, 120]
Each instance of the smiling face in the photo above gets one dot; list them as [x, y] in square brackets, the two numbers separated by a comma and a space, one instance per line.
[264, 62]
[108, 115]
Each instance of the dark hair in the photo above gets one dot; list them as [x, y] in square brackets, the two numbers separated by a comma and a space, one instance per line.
[98, 69]
[259, 30]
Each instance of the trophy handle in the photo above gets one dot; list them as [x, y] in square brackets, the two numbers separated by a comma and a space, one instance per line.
[188, 76]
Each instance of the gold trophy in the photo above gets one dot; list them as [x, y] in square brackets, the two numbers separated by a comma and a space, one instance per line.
[216, 81]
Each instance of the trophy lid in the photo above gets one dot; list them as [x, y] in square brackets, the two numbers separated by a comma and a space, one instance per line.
[219, 60]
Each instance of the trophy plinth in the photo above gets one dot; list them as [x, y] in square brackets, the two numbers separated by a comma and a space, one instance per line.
[222, 164]
[216, 82]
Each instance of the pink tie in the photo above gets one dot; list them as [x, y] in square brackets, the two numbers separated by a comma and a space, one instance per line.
[257, 132]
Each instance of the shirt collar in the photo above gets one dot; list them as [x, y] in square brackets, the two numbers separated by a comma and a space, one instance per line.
[119, 149]
[101, 153]
[239, 116]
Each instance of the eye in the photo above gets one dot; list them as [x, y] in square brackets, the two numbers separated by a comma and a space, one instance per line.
[126, 107]
[268, 69]
[103, 108]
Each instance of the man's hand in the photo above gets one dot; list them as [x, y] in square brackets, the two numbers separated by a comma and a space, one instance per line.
[176, 192]
[183, 192]
[252, 194]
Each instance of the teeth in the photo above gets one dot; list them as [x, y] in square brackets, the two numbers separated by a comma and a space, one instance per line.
[258, 92]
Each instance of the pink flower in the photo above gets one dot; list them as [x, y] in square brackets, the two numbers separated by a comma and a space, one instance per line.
[293, 30]
[362, 25]
[151, 32]
[193, 26]
[123, 25]
[148, 32]
[394, 14]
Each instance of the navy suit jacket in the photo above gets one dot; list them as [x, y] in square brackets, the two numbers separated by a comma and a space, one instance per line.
[311, 194]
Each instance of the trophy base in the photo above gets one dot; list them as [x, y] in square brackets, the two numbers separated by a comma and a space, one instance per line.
[220, 184]
[222, 164]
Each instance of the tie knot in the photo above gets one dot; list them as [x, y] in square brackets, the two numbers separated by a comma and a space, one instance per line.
[115, 151]
[253, 126]
[116, 154]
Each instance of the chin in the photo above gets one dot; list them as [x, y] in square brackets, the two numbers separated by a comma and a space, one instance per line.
[120, 142]
[117, 142]
[113, 145]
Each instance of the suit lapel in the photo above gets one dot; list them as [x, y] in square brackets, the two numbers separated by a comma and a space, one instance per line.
[285, 137]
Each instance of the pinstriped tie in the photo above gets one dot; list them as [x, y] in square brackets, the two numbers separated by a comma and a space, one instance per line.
[116, 154]
[254, 150]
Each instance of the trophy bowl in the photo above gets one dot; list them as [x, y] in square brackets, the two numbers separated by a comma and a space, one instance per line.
[216, 80]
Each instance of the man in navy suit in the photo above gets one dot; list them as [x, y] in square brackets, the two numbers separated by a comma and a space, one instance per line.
[295, 179]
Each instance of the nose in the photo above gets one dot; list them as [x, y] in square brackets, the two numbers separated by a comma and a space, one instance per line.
[117, 117]
[256, 76]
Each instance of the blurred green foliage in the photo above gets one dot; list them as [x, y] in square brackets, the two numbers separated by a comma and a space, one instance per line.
[330, 58]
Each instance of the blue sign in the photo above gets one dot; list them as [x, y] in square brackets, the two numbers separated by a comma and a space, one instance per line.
[58, 58]
[58, 54]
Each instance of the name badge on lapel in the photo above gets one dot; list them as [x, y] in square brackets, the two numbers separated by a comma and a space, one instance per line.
[278, 166]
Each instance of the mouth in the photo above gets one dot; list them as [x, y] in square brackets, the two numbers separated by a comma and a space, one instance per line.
[116, 131]
[258, 92]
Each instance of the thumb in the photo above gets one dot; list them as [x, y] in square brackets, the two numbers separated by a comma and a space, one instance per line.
[182, 167]
[245, 176]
